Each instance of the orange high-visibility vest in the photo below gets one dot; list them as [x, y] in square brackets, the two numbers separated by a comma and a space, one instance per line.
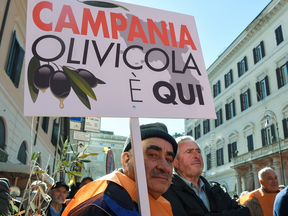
[266, 200]
[157, 207]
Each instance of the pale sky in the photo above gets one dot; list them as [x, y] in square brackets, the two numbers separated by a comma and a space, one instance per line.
[219, 23]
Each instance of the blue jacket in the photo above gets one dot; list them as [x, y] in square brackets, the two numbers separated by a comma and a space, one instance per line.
[280, 207]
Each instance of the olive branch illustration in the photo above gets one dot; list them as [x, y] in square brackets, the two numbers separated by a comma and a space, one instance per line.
[102, 4]
[60, 81]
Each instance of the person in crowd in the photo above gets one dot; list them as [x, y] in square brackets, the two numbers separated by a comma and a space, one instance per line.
[260, 201]
[116, 193]
[58, 195]
[35, 194]
[280, 207]
[4, 196]
[85, 181]
[73, 190]
[190, 193]
[14, 193]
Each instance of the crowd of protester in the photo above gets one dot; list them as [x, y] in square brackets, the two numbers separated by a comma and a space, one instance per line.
[184, 193]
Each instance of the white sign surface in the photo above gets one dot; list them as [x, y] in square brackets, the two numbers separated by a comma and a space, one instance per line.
[113, 59]
[92, 124]
[81, 136]
[75, 125]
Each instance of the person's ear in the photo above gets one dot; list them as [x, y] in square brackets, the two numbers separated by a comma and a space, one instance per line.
[126, 157]
[175, 163]
[261, 181]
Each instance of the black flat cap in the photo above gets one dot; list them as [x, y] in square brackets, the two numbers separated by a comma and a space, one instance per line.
[156, 129]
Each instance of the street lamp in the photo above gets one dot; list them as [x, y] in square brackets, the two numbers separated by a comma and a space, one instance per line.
[267, 125]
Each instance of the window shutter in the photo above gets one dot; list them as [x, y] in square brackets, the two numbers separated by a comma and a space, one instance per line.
[262, 49]
[231, 75]
[19, 62]
[249, 98]
[234, 111]
[258, 91]
[226, 80]
[208, 125]
[11, 55]
[242, 102]
[254, 55]
[267, 86]
[222, 158]
[234, 149]
[263, 137]
[278, 78]
[214, 91]
[239, 69]
[229, 152]
[285, 128]
[246, 64]
[273, 132]
[227, 111]
[221, 119]
[219, 86]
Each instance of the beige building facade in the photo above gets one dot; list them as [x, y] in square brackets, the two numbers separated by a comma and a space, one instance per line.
[20, 134]
[249, 83]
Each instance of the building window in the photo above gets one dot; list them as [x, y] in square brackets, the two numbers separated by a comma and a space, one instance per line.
[45, 124]
[259, 52]
[189, 132]
[268, 135]
[55, 132]
[22, 153]
[245, 100]
[15, 61]
[282, 75]
[206, 126]
[279, 35]
[197, 131]
[230, 110]
[285, 127]
[218, 121]
[242, 66]
[228, 78]
[220, 159]
[2, 134]
[216, 89]
[209, 164]
[262, 89]
[250, 143]
[100, 156]
[232, 150]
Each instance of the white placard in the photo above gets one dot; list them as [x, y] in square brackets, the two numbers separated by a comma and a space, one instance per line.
[81, 136]
[92, 124]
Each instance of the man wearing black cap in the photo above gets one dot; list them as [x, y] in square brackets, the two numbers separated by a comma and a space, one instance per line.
[58, 195]
[116, 193]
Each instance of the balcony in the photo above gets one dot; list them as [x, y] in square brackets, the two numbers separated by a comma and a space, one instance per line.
[260, 153]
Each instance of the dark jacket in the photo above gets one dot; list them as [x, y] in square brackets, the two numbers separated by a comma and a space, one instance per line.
[185, 202]
[47, 211]
[280, 204]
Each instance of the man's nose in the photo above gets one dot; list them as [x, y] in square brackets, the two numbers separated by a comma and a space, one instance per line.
[163, 165]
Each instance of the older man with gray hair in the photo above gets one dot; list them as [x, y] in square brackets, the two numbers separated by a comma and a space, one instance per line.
[190, 193]
[260, 202]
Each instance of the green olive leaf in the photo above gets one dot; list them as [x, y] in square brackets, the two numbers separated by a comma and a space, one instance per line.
[80, 82]
[100, 81]
[103, 4]
[33, 66]
[81, 95]
[77, 173]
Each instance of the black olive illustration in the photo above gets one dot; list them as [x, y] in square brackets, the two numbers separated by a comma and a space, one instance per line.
[60, 86]
[42, 76]
[88, 77]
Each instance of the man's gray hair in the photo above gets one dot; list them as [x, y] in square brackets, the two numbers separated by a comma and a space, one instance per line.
[181, 139]
[265, 169]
